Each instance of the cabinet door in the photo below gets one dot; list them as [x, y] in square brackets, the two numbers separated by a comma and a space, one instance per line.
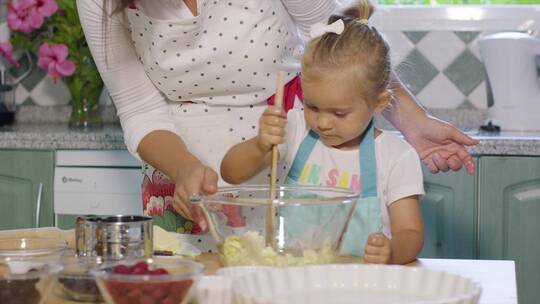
[66, 221]
[509, 201]
[26, 180]
[448, 211]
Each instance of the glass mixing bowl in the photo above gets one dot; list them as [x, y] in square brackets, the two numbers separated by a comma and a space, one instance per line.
[32, 248]
[308, 226]
[75, 282]
[125, 282]
[26, 280]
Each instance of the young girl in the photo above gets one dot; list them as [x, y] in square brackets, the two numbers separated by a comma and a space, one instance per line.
[345, 80]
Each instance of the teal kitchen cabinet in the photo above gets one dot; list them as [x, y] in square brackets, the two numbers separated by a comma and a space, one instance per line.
[509, 215]
[66, 221]
[26, 189]
[449, 212]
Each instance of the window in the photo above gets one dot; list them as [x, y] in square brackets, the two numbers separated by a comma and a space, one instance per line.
[458, 2]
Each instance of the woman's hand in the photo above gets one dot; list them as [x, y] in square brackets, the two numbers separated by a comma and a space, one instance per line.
[193, 178]
[440, 145]
[271, 128]
[378, 249]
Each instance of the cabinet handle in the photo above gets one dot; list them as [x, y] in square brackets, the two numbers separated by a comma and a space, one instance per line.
[38, 203]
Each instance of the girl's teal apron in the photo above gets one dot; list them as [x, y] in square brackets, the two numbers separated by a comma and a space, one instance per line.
[366, 218]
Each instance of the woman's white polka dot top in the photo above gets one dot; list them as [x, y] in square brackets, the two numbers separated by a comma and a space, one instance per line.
[227, 54]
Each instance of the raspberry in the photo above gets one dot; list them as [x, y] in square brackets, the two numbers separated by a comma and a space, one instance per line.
[159, 293]
[146, 300]
[139, 268]
[169, 300]
[121, 269]
[158, 271]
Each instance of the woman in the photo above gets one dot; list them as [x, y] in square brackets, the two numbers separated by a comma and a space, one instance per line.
[191, 78]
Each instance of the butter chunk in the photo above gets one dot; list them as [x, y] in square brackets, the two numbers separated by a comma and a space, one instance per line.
[165, 241]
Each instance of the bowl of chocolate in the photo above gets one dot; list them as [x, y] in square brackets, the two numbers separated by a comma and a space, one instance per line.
[75, 282]
[26, 281]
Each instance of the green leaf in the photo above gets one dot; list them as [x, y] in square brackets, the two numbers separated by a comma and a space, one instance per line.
[167, 221]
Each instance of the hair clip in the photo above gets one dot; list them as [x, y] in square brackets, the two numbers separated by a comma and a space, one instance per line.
[319, 29]
[362, 21]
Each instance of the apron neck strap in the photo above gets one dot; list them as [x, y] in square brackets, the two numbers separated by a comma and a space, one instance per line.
[368, 163]
[302, 155]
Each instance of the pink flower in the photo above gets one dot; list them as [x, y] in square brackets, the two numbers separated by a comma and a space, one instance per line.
[53, 58]
[23, 15]
[46, 7]
[6, 51]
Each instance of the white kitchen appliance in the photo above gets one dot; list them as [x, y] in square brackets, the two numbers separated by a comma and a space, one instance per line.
[97, 182]
[512, 63]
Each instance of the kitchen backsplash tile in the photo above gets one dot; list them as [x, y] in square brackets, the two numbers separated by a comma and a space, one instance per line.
[466, 72]
[416, 71]
[440, 93]
[415, 36]
[466, 36]
[441, 48]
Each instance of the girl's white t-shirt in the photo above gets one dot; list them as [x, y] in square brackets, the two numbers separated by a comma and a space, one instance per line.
[399, 172]
[159, 53]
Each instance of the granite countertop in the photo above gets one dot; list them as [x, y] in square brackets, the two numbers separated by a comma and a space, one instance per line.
[57, 136]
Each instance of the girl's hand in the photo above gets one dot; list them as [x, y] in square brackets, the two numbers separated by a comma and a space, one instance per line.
[193, 179]
[378, 249]
[271, 128]
[440, 145]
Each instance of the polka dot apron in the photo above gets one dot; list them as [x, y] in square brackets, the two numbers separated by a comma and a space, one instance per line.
[217, 71]
[209, 139]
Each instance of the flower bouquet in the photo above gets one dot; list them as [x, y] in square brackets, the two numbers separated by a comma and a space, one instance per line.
[50, 29]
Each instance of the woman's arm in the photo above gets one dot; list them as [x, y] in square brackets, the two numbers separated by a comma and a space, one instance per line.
[439, 144]
[149, 130]
[140, 106]
[305, 13]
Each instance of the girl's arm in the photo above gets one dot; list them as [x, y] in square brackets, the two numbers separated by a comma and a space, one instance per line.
[246, 159]
[407, 235]
[407, 230]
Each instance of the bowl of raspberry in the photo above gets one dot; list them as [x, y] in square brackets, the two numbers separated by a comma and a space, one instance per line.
[150, 281]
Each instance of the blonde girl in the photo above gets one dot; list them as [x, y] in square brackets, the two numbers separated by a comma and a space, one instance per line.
[332, 141]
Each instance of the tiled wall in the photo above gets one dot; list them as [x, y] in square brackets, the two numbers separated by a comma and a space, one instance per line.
[435, 52]
[443, 69]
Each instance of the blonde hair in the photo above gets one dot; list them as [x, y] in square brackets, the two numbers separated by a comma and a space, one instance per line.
[359, 53]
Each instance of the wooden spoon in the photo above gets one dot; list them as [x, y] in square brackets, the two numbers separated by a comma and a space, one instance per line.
[270, 211]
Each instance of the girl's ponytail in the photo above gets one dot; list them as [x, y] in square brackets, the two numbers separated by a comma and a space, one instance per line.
[361, 11]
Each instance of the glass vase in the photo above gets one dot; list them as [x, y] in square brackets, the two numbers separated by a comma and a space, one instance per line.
[85, 87]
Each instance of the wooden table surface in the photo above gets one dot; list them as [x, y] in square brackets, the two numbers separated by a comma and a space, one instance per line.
[497, 278]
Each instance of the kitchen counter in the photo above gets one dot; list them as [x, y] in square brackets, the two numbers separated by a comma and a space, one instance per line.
[497, 278]
[49, 136]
